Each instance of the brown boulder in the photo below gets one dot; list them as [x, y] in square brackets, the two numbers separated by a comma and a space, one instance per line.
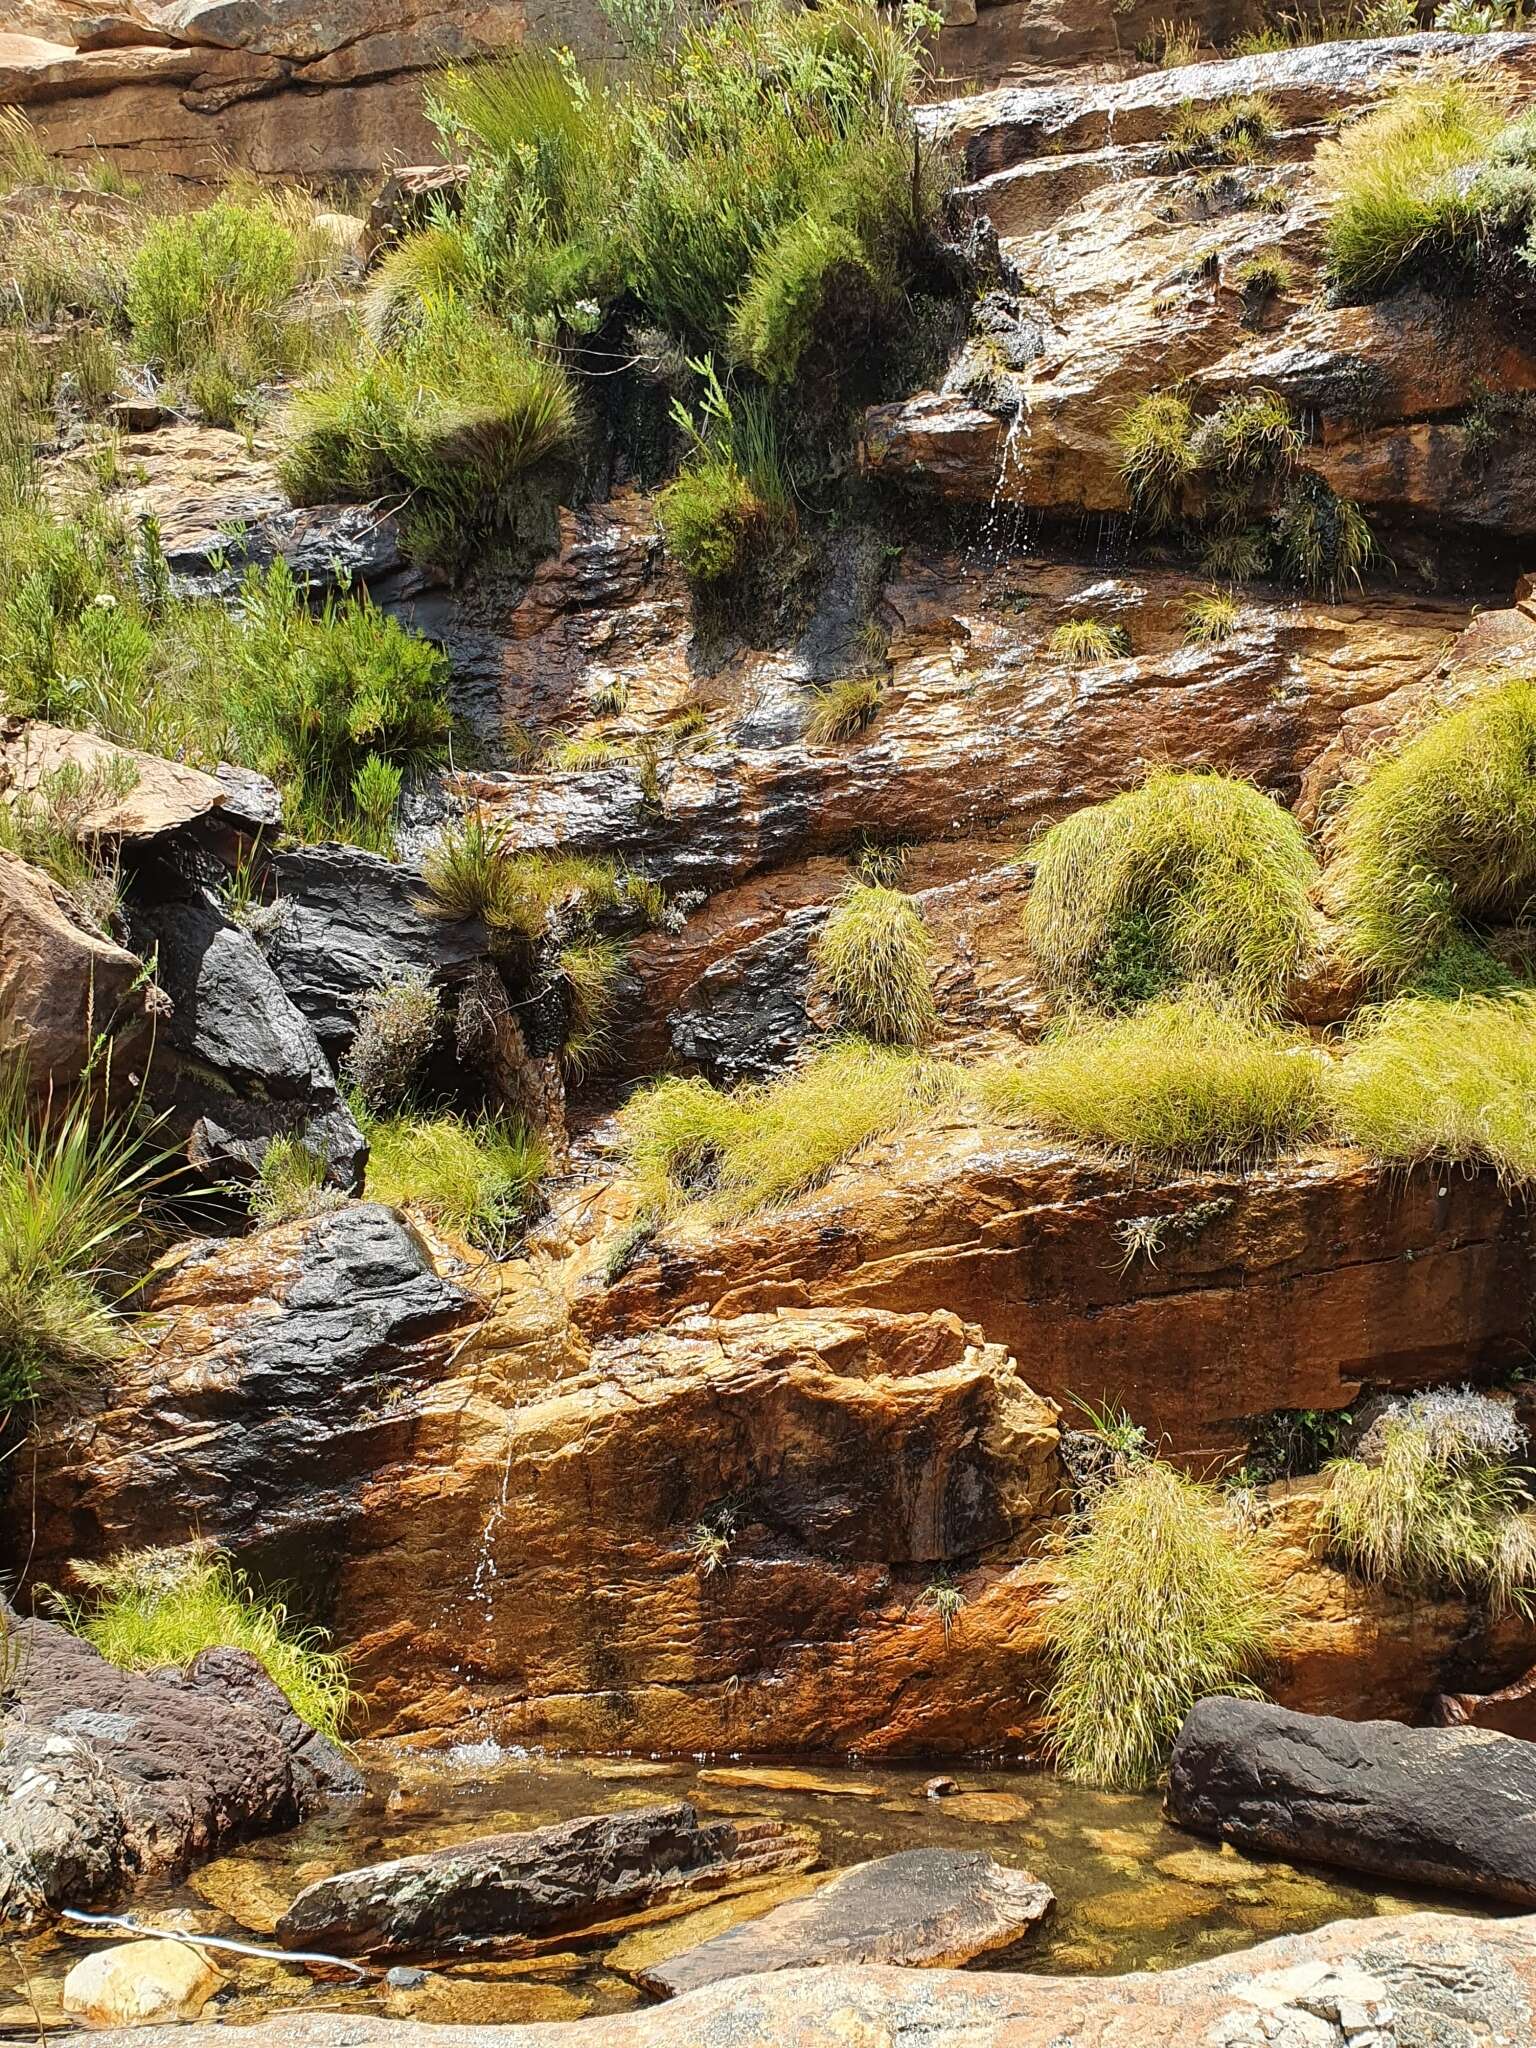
[157, 796]
[64, 992]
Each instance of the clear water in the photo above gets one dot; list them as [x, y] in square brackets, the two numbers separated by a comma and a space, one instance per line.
[1132, 1892]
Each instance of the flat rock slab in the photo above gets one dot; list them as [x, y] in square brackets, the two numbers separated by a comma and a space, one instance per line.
[1426, 1978]
[1453, 1807]
[499, 1893]
[934, 1908]
[769, 1778]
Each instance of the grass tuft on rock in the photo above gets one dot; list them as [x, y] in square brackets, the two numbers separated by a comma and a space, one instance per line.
[1190, 879]
[1210, 617]
[753, 1146]
[158, 1609]
[477, 1179]
[842, 709]
[1085, 643]
[1441, 835]
[292, 1183]
[1174, 1085]
[875, 960]
[1436, 1510]
[1163, 1603]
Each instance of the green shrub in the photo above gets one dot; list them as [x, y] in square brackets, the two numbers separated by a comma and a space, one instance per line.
[1238, 130]
[1177, 1085]
[1189, 879]
[842, 709]
[159, 1608]
[72, 1193]
[1084, 643]
[1443, 1080]
[477, 1179]
[731, 502]
[1210, 618]
[1163, 1603]
[875, 960]
[1411, 201]
[755, 1146]
[1437, 1512]
[313, 699]
[457, 417]
[1442, 834]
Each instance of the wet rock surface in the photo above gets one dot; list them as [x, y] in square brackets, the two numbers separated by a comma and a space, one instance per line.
[925, 1908]
[501, 1893]
[1441, 1806]
[1424, 1977]
[110, 1777]
[139, 1983]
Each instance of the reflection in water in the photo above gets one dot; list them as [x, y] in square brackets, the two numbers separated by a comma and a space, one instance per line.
[1132, 1892]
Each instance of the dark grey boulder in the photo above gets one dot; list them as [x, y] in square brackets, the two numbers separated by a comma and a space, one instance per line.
[744, 1018]
[1450, 1807]
[505, 1892]
[236, 1064]
[350, 919]
[110, 1777]
[937, 1908]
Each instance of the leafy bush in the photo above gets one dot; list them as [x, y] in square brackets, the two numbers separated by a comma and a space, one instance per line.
[842, 709]
[1443, 1080]
[159, 1608]
[455, 419]
[72, 1195]
[875, 959]
[396, 1029]
[1441, 1509]
[1163, 1603]
[1442, 833]
[754, 1146]
[1435, 187]
[1177, 1084]
[1189, 879]
[478, 1179]
[1083, 643]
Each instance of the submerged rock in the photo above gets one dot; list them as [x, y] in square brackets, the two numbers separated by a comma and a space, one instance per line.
[108, 1777]
[137, 1983]
[925, 1907]
[499, 1893]
[1357, 1984]
[1439, 1806]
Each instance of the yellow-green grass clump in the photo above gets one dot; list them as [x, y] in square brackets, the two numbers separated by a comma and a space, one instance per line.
[1189, 880]
[1174, 1084]
[1422, 1079]
[1439, 1508]
[1430, 188]
[875, 959]
[1210, 617]
[753, 1146]
[842, 709]
[292, 1183]
[1442, 835]
[1085, 643]
[155, 1609]
[1163, 1603]
[478, 1179]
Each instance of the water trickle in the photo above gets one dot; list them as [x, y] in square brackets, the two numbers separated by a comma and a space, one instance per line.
[482, 1587]
[999, 536]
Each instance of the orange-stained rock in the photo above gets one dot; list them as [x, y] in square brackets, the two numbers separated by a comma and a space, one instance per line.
[64, 991]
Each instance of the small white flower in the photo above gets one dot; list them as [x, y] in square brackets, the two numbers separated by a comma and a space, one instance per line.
[104, 601]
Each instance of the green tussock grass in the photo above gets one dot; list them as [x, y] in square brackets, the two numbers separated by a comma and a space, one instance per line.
[875, 960]
[1238, 130]
[1084, 643]
[1155, 444]
[1421, 1079]
[842, 709]
[47, 828]
[746, 1149]
[477, 1179]
[1163, 1603]
[1190, 879]
[471, 872]
[154, 1609]
[1175, 1084]
[731, 500]
[1408, 203]
[1442, 834]
[1261, 277]
[292, 1182]
[592, 970]
[1433, 1516]
[73, 1189]
[1210, 618]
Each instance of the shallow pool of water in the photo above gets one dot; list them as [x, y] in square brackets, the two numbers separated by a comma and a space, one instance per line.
[1132, 1892]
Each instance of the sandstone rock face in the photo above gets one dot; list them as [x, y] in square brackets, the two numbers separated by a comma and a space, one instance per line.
[503, 1894]
[158, 797]
[1136, 296]
[924, 1907]
[108, 1777]
[138, 1984]
[1426, 1977]
[1441, 1806]
[62, 989]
